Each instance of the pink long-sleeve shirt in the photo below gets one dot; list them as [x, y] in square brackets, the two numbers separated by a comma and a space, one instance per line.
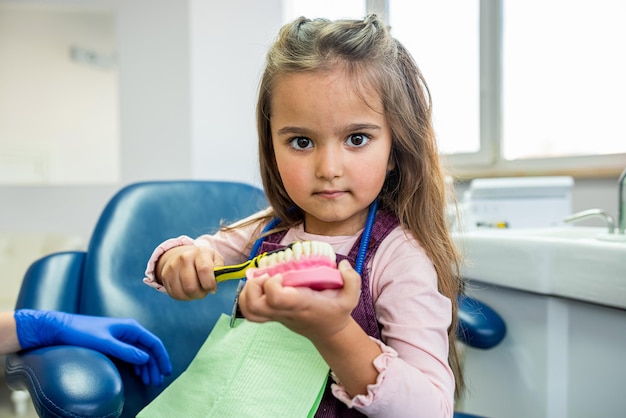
[415, 379]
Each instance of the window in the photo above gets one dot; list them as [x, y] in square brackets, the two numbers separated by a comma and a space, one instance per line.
[563, 78]
[519, 88]
[443, 39]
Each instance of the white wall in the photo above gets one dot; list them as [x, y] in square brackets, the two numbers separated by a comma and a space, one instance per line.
[52, 101]
[228, 45]
[188, 73]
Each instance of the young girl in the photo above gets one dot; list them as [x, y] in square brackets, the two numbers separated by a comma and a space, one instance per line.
[345, 136]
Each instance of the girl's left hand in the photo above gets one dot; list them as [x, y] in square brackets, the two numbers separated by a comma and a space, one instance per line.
[315, 314]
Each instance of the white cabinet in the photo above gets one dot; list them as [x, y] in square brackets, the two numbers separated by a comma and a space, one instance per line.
[560, 358]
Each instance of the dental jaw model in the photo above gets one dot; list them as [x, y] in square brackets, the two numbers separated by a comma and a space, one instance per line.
[303, 264]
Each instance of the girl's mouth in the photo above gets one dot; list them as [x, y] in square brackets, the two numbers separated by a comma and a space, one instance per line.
[330, 194]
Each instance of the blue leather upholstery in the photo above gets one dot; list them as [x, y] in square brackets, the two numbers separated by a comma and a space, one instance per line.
[105, 280]
[479, 325]
[465, 415]
[68, 381]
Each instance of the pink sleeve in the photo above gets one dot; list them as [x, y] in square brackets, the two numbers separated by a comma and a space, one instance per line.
[414, 375]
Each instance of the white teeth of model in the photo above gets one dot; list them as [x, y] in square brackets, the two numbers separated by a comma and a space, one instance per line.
[297, 250]
[330, 253]
[287, 255]
[316, 248]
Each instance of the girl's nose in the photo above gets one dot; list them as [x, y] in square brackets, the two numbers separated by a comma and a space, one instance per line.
[329, 163]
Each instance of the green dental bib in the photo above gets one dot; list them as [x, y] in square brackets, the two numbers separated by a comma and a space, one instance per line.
[250, 370]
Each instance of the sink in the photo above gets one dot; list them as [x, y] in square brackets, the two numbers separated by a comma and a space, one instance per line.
[583, 263]
[561, 233]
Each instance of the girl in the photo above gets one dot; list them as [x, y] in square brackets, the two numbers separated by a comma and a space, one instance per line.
[345, 137]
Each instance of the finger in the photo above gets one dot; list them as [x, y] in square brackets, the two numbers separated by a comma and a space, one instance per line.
[205, 263]
[145, 374]
[253, 289]
[174, 283]
[175, 288]
[124, 352]
[279, 297]
[136, 335]
[252, 300]
[190, 284]
[351, 279]
[156, 378]
[154, 346]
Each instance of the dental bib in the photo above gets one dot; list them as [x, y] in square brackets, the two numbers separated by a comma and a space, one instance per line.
[250, 370]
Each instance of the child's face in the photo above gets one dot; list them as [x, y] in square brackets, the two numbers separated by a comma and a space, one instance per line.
[332, 149]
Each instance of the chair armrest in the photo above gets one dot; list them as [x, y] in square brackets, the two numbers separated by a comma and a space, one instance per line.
[465, 415]
[479, 325]
[67, 381]
[53, 282]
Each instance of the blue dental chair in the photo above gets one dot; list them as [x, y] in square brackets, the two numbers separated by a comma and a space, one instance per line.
[105, 280]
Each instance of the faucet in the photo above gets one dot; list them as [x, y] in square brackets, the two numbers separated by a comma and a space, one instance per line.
[621, 216]
[592, 213]
[620, 225]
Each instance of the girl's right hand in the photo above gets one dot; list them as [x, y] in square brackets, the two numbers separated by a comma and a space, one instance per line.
[186, 272]
[319, 315]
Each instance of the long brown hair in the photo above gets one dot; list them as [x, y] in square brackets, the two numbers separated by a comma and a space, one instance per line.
[415, 189]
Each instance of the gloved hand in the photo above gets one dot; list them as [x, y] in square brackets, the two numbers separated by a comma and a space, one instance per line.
[117, 337]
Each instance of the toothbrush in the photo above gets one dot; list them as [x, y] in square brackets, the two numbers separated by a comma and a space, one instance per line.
[302, 264]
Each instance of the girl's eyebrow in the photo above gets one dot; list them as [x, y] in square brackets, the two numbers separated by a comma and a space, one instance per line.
[355, 127]
[286, 130]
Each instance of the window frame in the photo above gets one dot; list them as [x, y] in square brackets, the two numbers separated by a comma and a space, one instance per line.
[488, 160]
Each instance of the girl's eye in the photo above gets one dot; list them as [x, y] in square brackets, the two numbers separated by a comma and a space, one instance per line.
[357, 140]
[301, 143]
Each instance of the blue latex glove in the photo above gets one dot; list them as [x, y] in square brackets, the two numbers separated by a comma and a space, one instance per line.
[117, 337]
